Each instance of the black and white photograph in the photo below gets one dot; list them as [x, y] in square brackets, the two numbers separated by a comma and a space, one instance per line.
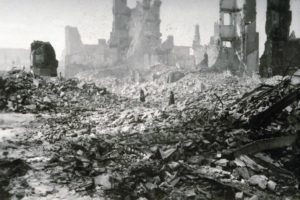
[149, 99]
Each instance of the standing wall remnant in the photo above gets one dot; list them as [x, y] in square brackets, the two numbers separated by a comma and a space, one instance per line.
[250, 37]
[238, 38]
[136, 32]
[281, 55]
[81, 57]
[229, 38]
[43, 59]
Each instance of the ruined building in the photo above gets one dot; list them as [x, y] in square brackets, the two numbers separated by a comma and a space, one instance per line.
[43, 59]
[135, 40]
[281, 55]
[136, 32]
[238, 38]
[205, 55]
[80, 57]
[230, 40]
[250, 36]
[173, 55]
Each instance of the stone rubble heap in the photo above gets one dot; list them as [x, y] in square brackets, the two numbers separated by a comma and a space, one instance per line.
[22, 92]
[203, 147]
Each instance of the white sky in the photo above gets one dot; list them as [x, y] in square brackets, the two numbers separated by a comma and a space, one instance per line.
[22, 21]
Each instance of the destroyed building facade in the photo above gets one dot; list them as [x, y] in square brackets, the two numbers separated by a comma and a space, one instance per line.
[135, 39]
[281, 55]
[250, 36]
[238, 38]
[43, 59]
[80, 57]
[205, 55]
[136, 32]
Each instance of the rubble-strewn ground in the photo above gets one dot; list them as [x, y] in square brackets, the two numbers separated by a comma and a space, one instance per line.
[83, 141]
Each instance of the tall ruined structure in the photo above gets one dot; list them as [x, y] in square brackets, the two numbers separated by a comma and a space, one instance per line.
[119, 37]
[205, 55]
[281, 55]
[238, 37]
[136, 32]
[229, 38]
[250, 37]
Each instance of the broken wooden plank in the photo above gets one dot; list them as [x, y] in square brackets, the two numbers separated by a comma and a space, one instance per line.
[266, 144]
[265, 117]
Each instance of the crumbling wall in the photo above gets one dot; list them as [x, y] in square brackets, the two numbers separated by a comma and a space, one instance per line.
[183, 57]
[238, 37]
[43, 59]
[136, 32]
[144, 29]
[119, 37]
[230, 40]
[165, 51]
[281, 55]
[250, 37]
[80, 57]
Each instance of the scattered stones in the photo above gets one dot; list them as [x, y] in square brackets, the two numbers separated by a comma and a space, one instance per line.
[259, 180]
[271, 185]
[239, 196]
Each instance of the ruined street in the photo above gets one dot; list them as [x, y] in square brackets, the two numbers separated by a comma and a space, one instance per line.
[76, 140]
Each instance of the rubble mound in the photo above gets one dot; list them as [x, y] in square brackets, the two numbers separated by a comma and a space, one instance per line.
[24, 92]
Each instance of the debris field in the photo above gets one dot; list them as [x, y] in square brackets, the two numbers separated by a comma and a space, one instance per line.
[223, 137]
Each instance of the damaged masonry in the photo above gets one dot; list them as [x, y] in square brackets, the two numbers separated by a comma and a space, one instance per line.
[142, 116]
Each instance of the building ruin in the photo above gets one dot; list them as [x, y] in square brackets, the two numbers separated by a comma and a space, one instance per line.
[238, 39]
[80, 57]
[136, 32]
[205, 55]
[282, 50]
[135, 40]
[43, 59]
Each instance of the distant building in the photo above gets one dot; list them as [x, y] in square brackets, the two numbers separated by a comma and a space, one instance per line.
[80, 57]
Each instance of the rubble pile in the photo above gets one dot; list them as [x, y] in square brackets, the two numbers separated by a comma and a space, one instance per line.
[259, 107]
[134, 150]
[120, 148]
[22, 92]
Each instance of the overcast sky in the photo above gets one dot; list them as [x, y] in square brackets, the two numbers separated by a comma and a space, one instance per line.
[22, 21]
